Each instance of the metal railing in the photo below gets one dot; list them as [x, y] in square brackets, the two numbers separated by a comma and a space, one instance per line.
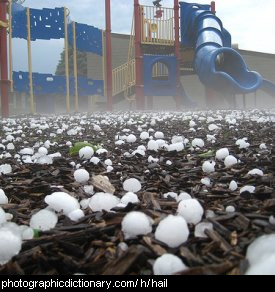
[157, 25]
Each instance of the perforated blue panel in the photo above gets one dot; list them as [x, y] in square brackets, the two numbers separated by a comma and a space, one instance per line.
[47, 23]
[160, 87]
[88, 38]
[19, 21]
[51, 84]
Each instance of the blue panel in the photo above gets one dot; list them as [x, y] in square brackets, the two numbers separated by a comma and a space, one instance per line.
[51, 84]
[19, 21]
[88, 38]
[47, 23]
[160, 87]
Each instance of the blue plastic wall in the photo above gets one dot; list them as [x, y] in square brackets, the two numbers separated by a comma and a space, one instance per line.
[160, 87]
[47, 84]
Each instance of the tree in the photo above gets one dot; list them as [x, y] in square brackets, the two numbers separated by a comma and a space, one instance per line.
[81, 63]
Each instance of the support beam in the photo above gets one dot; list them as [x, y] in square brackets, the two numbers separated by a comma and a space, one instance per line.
[4, 61]
[76, 103]
[67, 71]
[178, 98]
[140, 99]
[213, 7]
[109, 66]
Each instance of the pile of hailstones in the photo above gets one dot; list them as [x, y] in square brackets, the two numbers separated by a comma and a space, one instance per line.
[172, 230]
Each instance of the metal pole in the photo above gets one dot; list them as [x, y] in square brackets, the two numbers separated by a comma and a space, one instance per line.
[75, 69]
[67, 72]
[109, 66]
[30, 61]
[213, 7]
[4, 60]
[140, 99]
[177, 49]
[103, 63]
[10, 46]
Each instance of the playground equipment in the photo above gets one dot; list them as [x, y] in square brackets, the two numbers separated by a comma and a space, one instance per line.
[155, 62]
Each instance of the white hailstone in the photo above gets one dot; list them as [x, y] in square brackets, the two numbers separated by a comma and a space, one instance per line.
[95, 160]
[272, 220]
[89, 190]
[43, 151]
[10, 138]
[177, 139]
[209, 214]
[27, 159]
[161, 143]
[62, 202]
[159, 135]
[213, 127]
[47, 144]
[26, 151]
[206, 181]
[10, 146]
[222, 153]
[44, 220]
[233, 186]
[176, 147]
[200, 229]
[131, 138]
[211, 138]
[168, 264]
[45, 159]
[97, 128]
[210, 120]
[173, 231]
[69, 143]
[86, 152]
[81, 175]
[10, 245]
[119, 142]
[208, 166]
[9, 216]
[230, 160]
[151, 159]
[2, 147]
[109, 168]
[103, 201]
[55, 155]
[84, 203]
[101, 151]
[140, 152]
[230, 209]
[192, 124]
[183, 196]
[129, 198]
[141, 147]
[261, 249]
[5, 169]
[3, 198]
[132, 185]
[76, 215]
[256, 171]
[242, 143]
[168, 162]
[198, 143]
[191, 210]
[263, 146]
[136, 223]
[144, 135]
[250, 189]
[108, 162]
[122, 247]
[27, 233]
[263, 268]
[153, 145]
[3, 218]
[170, 195]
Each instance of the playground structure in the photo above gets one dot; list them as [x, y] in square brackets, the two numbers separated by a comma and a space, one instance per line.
[159, 40]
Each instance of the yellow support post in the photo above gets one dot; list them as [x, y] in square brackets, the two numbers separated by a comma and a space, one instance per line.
[75, 69]
[67, 73]
[10, 46]
[30, 62]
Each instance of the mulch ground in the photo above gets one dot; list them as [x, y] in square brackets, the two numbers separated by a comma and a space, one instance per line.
[91, 246]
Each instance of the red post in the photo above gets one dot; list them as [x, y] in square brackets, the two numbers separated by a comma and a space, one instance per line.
[140, 99]
[177, 50]
[4, 61]
[109, 67]
[213, 7]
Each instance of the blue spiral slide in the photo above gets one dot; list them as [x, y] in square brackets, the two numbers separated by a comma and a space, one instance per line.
[218, 65]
